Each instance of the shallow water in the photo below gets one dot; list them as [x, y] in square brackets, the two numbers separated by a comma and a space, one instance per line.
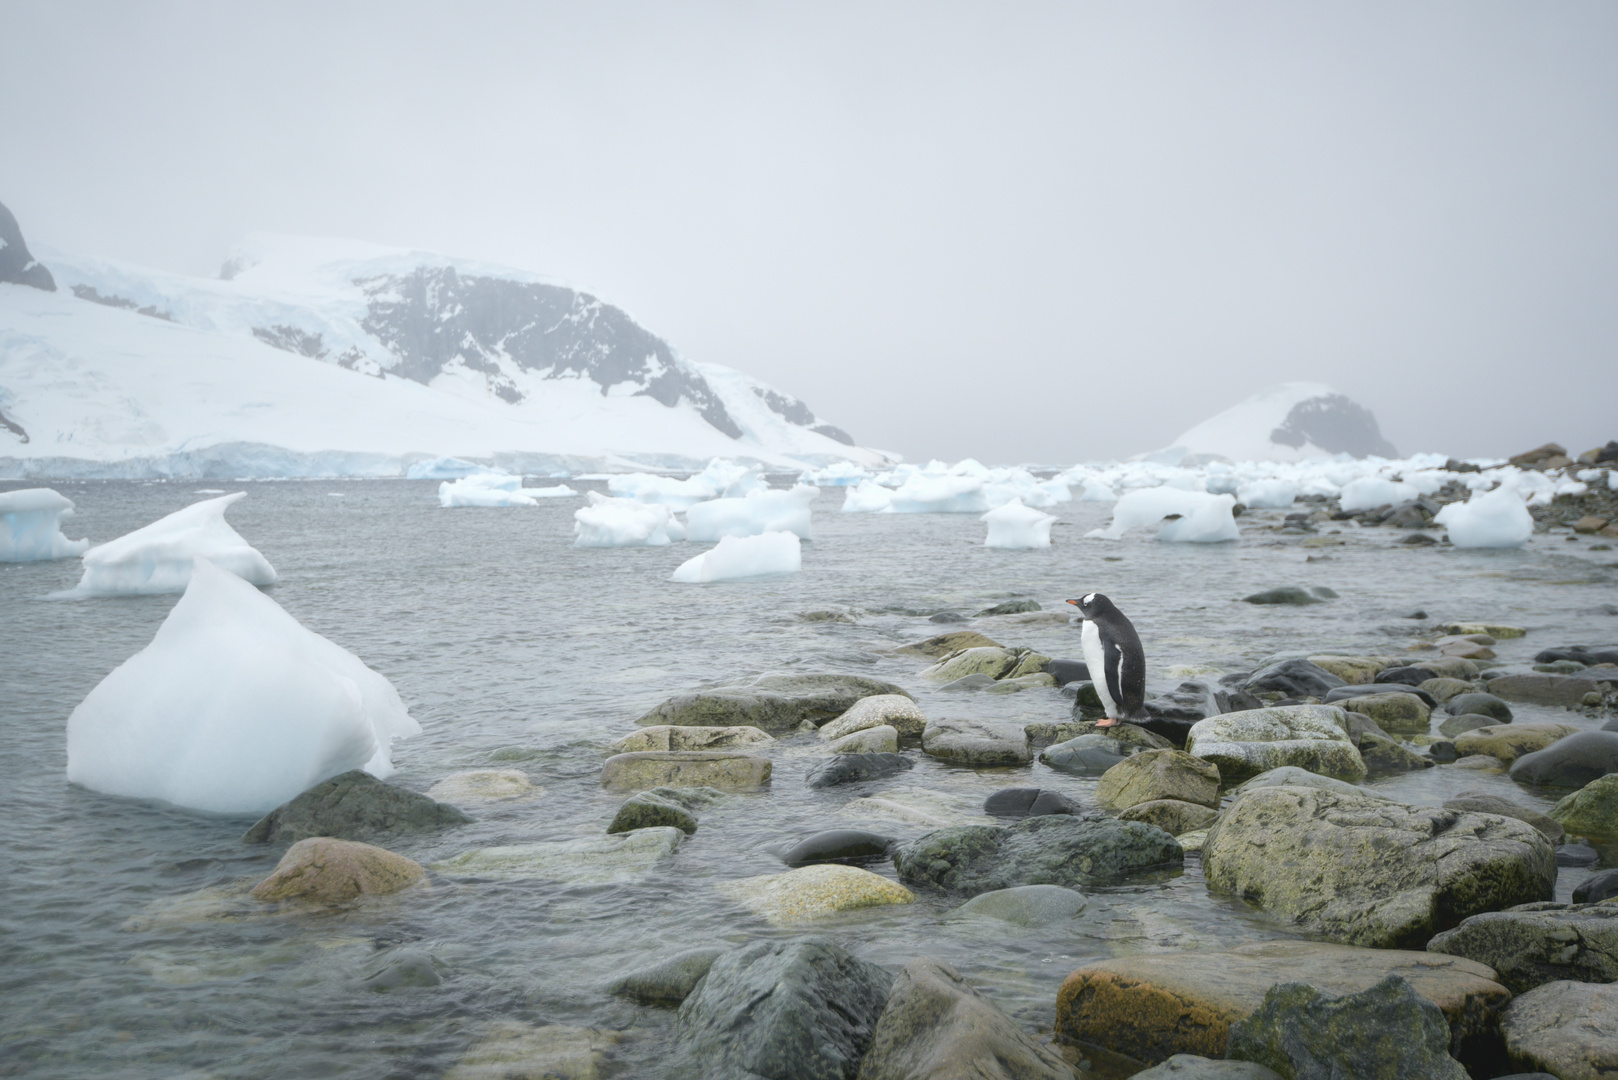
[514, 649]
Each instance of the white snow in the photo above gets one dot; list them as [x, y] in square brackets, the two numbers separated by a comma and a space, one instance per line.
[233, 708]
[720, 479]
[31, 526]
[758, 511]
[609, 522]
[868, 497]
[1497, 518]
[1370, 492]
[743, 557]
[1270, 494]
[1242, 432]
[158, 558]
[1204, 518]
[1017, 526]
[445, 468]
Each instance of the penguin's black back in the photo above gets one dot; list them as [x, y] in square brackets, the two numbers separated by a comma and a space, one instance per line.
[1125, 659]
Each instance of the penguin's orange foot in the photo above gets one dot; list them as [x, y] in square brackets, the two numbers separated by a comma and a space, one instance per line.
[1106, 721]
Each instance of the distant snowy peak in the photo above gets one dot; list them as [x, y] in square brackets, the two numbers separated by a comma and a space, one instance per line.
[16, 264]
[1289, 422]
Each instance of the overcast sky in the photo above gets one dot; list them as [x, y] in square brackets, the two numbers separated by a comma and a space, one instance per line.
[1020, 232]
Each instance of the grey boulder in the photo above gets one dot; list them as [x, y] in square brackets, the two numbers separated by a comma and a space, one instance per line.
[667, 982]
[1192, 1067]
[352, 806]
[1534, 944]
[1571, 761]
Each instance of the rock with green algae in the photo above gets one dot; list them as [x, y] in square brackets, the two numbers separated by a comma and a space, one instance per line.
[1592, 810]
[1053, 849]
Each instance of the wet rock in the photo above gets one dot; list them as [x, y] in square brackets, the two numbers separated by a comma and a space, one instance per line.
[1244, 744]
[1188, 702]
[1067, 671]
[1481, 704]
[814, 892]
[1353, 670]
[1173, 816]
[1016, 684]
[1596, 888]
[352, 805]
[1508, 742]
[975, 681]
[1417, 538]
[1350, 693]
[1159, 774]
[1568, 1029]
[1481, 762]
[1370, 871]
[992, 661]
[855, 768]
[594, 859]
[1388, 1032]
[402, 969]
[947, 617]
[1294, 678]
[1581, 654]
[1193, 1067]
[1409, 676]
[775, 704]
[1383, 755]
[722, 769]
[1441, 751]
[1498, 631]
[1572, 761]
[1151, 1006]
[976, 742]
[891, 710]
[1028, 802]
[944, 644]
[511, 1050]
[802, 1007]
[1026, 905]
[1534, 944]
[840, 846]
[322, 870]
[872, 740]
[1087, 755]
[1578, 855]
[1545, 689]
[1455, 725]
[484, 785]
[937, 1027]
[1592, 810]
[1055, 849]
[667, 982]
[647, 810]
[1443, 689]
[1010, 607]
[1292, 776]
[1043, 734]
[1481, 802]
[672, 737]
[1286, 594]
[1403, 713]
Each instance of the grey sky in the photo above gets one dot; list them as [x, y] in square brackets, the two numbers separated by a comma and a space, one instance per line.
[1020, 232]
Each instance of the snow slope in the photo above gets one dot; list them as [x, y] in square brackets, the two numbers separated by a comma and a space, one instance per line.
[1289, 422]
[317, 357]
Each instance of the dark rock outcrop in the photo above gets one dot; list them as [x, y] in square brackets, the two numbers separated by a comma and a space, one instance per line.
[1054, 849]
[17, 266]
[354, 805]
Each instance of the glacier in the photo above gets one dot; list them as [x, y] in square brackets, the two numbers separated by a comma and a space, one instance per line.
[759, 511]
[31, 526]
[234, 708]
[737, 557]
[1015, 526]
[158, 558]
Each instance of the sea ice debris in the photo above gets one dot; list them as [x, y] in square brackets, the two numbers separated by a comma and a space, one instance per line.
[756, 512]
[157, 558]
[31, 526]
[1369, 492]
[744, 557]
[1017, 526]
[609, 522]
[1489, 519]
[1204, 518]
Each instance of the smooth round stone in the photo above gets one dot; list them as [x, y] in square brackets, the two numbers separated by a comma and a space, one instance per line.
[1483, 704]
[855, 768]
[1478, 761]
[404, 968]
[1597, 887]
[839, 846]
[1087, 755]
[1458, 725]
[1348, 693]
[1026, 905]
[1577, 855]
[648, 810]
[483, 785]
[878, 710]
[326, 871]
[1573, 761]
[1410, 676]
[871, 740]
[1028, 802]
[815, 892]
[1442, 751]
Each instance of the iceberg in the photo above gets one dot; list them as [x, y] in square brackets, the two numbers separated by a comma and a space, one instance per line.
[754, 513]
[743, 557]
[721, 479]
[837, 474]
[495, 489]
[1204, 518]
[1017, 526]
[1494, 519]
[157, 558]
[233, 708]
[31, 526]
[940, 495]
[609, 522]
[868, 497]
[1369, 492]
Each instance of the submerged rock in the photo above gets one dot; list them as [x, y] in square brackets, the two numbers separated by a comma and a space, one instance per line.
[648, 810]
[1244, 744]
[725, 770]
[511, 1050]
[854, 768]
[352, 805]
[322, 870]
[1535, 944]
[814, 892]
[1028, 802]
[484, 785]
[604, 858]
[1026, 905]
[1568, 1029]
[944, 644]
[667, 982]
[401, 969]
[1056, 849]
[1288, 594]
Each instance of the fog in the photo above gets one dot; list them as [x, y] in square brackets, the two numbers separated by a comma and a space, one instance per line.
[1025, 233]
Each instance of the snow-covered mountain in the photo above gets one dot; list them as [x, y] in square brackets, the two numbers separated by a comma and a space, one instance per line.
[329, 357]
[1289, 422]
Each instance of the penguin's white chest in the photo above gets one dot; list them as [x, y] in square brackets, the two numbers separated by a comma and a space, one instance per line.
[1095, 658]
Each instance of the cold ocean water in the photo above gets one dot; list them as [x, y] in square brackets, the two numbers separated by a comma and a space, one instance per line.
[515, 649]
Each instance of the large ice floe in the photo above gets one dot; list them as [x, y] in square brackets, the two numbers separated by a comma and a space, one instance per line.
[743, 557]
[495, 489]
[31, 526]
[1493, 519]
[233, 708]
[610, 522]
[759, 511]
[1017, 526]
[157, 558]
[1202, 517]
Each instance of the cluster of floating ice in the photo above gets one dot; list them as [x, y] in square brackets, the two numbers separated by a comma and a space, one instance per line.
[967, 487]
[158, 558]
[1017, 526]
[760, 511]
[495, 489]
[721, 479]
[737, 557]
[610, 522]
[837, 474]
[31, 526]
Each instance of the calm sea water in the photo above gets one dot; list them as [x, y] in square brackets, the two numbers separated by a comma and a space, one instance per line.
[515, 649]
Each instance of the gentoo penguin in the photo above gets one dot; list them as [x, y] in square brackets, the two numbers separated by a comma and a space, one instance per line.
[1117, 663]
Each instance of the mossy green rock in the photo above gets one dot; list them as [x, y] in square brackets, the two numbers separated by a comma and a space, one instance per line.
[685, 768]
[647, 810]
[992, 661]
[352, 806]
[945, 644]
[1353, 670]
[775, 704]
[1443, 688]
[1053, 849]
[1244, 744]
[1159, 774]
[1508, 742]
[667, 982]
[1173, 816]
[1592, 810]
[1402, 714]
[1370, 871]
[1539, 943]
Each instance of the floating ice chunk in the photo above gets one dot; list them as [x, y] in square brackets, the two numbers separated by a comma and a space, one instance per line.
[940, 495]
[1489, 519]
[31, 526]
[157, 558]
[1204, 518]
[234, 708]
[1267, 494]
[721, 479]
[1017, 526]
[837, 474]
[868, 497]
[1369, 492]
[743, 557]
[445, 468]
[756, 512]
[1097, 491]
[609, 522]
[484, 489]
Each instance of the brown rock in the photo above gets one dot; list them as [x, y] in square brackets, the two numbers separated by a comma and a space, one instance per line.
[327, 871]
[1568, 1029]
[1589, 524]
[720, 769]
[1537, 457]
[1159, 774]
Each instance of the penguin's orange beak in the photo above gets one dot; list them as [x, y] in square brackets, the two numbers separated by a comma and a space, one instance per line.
[1075, 603]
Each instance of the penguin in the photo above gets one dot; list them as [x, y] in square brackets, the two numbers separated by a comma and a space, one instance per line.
[1116, 661]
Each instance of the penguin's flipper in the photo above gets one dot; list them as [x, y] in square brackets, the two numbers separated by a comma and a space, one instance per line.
[1116, 680]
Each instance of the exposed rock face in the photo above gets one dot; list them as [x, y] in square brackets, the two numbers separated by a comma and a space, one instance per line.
[1335, 423]
[1054, 849]
[1568, 1029]
[1244, 744]
[936, 1027]
[803, 1007]
[1535, 944]
[326, 871]
[17, 266]
[1370, 871]
[350, 806]
[890, 710]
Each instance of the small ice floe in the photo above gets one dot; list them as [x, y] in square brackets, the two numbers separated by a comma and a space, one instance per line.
[233, 708]
[1203, 518]
[1269, 494]
[610, 522]
[1497, 519]
[721, 479]
[1370, 492]
[157, 558]
[754, 513]
[495, 489]
[743, 557]
[1017, 526]
[31, 526]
